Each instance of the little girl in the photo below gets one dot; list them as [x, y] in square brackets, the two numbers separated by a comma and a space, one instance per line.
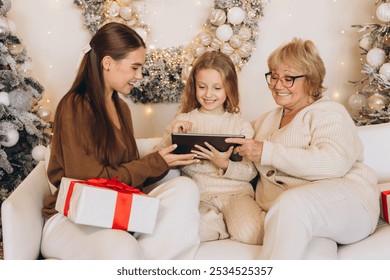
[210, 105]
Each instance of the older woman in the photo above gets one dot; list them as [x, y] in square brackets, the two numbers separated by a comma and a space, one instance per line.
[313, 182]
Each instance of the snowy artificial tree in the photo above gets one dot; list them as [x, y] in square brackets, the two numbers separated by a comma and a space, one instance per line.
[370, 104]
[24, 132]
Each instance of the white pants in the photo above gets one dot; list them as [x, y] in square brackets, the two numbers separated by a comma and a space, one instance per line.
[175, 236]
[308, 221]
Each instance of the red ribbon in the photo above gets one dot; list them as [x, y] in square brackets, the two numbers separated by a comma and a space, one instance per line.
[385, 206]
[123, 201]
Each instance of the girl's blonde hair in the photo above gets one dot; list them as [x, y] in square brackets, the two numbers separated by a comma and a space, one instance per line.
[302, 54]
[224, 65]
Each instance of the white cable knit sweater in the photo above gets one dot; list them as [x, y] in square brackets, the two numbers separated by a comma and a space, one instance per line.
[320, 143]
[208, 177]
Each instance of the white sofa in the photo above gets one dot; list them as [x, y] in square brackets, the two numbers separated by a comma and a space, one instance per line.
[22, 221]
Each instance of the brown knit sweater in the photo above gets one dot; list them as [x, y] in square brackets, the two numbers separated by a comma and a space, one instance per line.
[73, 161]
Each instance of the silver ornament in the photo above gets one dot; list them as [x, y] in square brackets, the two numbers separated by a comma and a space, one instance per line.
[5, 6]
[4, 28]
[357, 101]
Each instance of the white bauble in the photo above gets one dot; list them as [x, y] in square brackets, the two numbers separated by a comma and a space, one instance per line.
[44, 112]
[236, 15]
[384, 71]
[4, 98]
[224, 32]
[113, 10]
[125, 13]
[375, 57]
[217, 17]
[142, 32]
[383, 12]
[357, 101]
[377, 102]
[38, 153]
[13, 138]
[365, 43]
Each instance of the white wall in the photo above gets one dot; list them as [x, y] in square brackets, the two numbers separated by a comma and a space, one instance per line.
[53, 34]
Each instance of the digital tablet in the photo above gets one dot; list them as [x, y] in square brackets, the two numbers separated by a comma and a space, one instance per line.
[186, 142]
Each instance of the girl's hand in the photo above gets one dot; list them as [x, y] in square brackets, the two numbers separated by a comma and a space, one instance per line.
[174, 160]
[182, 127]
[219, 159]
[249, 148]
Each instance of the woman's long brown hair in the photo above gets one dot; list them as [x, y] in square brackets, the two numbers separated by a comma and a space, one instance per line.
[94, 128]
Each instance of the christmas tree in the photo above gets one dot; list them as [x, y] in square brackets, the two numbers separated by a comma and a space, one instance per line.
[23, 130]
[370, 104]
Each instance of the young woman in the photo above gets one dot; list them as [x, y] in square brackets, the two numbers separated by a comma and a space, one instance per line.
[93, 138]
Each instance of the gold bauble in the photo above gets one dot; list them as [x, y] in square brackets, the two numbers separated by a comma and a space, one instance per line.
[377, 102]
[245, 50]
[217, 17]
[216, 44]
[205, 38]
[198, 50]
[235, 41]
[227, 49]
[245, 33]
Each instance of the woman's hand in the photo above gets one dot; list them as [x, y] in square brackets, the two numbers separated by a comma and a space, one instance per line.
[249, 148]
[174, 160]
[219, 159]
[49, 204]
[182, 127]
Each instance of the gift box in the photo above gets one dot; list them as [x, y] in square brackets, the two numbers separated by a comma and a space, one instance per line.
[107, 203]
[385, 204]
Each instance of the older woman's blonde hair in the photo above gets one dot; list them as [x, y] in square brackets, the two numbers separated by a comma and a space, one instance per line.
[303, 55]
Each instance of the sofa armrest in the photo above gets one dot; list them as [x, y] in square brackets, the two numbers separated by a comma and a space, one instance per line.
[22, 221]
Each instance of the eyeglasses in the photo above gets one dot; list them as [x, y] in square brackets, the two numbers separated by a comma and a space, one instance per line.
[287, 81]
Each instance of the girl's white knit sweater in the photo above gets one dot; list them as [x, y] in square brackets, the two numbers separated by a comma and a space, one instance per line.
[209, 178]
[320, 143]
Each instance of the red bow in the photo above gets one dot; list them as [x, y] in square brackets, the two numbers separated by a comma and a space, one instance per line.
[123, 200]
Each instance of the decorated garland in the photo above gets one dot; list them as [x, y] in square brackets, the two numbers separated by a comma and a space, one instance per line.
[231, 28]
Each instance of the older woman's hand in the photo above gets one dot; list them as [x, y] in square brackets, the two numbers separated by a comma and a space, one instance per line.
[249, 148]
